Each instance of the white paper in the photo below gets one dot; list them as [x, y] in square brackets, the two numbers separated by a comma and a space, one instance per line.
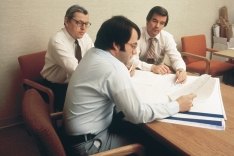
[153, 88]
[203, 87]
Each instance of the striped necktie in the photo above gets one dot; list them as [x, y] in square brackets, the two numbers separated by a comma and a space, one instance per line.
[78, 51]
[150, 55]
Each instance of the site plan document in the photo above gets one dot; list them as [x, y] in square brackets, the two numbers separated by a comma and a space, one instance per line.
[207, 110]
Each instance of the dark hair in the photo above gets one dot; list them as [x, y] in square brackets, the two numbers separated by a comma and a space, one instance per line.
[158, 10]
[73, 9]
[117, 29]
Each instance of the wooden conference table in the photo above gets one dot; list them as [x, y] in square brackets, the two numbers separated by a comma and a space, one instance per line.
[226, 53]
[188, 140]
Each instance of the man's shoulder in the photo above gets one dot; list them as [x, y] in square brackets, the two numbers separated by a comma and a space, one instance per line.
[143, 30]
[165, 36]
[58, 36]
[165, 33]
[86, 37]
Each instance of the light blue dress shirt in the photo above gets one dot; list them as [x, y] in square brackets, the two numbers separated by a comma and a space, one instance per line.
[98, 84]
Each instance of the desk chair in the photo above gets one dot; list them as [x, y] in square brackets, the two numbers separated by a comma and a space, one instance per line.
[31, 65]
[194, 53]
[38, 119]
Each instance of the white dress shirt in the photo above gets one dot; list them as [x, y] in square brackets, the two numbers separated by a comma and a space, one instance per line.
[60, 60]
[165, 46]
[99, 83]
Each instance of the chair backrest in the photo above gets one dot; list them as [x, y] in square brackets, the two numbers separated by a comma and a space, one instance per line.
[31, 65]
[37, 118]
[194, 44]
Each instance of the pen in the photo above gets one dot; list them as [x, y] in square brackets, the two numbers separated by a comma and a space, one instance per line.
[131, 67]
[177, 78]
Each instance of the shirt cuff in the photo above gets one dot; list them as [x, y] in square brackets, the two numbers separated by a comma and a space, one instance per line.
[173, 107]
[180, 69]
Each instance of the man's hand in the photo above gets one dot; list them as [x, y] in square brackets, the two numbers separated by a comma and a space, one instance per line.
[186, 102]
[160, 69]
[181, 76]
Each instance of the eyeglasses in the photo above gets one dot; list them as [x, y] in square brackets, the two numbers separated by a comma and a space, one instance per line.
[81, 24]
[133, 45]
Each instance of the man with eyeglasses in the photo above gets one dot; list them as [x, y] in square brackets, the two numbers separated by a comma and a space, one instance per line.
[102, 82]
[155, 43]
[60, 59]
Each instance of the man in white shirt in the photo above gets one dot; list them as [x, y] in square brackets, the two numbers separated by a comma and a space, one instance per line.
[60, 59]
[102, 82]
[156, 20]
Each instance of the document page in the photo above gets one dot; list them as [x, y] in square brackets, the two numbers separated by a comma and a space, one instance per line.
[203, 87]
[207, 110]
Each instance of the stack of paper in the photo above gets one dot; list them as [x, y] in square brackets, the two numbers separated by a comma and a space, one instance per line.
[207, 110]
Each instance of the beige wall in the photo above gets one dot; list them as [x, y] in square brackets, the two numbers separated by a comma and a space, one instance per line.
[26, 25]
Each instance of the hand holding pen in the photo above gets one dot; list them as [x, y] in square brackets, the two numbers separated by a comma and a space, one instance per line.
[181, 76]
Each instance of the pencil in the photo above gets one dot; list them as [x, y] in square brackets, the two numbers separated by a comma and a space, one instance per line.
[130, 69]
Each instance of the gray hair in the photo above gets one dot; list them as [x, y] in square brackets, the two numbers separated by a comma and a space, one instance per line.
[73, 9]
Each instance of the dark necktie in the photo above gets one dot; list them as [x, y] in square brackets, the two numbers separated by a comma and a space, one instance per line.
[78, 51]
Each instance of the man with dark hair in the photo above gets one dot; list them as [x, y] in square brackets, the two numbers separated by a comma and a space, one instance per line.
[102, 82]
[65, 50]
[155, 43]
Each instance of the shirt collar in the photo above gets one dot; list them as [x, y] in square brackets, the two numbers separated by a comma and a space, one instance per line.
[147, 36]
[69, 37]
